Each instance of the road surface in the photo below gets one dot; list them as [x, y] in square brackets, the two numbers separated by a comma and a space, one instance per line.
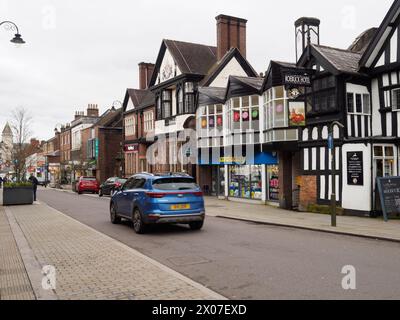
[249, 261]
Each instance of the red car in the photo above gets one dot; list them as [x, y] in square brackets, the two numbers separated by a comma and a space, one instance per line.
[87, 184]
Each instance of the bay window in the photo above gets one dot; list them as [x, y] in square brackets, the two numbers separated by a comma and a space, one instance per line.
[189, 98]
[180, 100]
[244, 114]
[276, 108]
[166, 104]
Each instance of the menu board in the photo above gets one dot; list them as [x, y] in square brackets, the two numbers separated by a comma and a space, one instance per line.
[355, 169]
[389, 195]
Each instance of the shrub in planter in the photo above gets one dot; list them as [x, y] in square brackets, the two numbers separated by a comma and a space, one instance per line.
[19, 193]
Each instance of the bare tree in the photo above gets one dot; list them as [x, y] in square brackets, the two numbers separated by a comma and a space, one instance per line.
[21, 125]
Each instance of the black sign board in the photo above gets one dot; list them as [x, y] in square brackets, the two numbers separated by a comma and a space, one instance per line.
[389, 195]
[293, 79]
[355, 169]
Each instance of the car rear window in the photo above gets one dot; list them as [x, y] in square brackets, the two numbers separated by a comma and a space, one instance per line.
[175, 184]
[122, 181]
[88, 179]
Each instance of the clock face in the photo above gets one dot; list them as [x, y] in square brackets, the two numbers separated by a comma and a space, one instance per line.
[167, 72]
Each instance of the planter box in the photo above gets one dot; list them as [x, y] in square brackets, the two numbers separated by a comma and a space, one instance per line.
[17, 196]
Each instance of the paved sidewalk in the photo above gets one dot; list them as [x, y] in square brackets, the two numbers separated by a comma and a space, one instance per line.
[89, 265]
[356, 226]
[14, 280]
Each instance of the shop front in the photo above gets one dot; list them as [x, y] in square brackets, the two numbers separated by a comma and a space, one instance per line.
[253, 177]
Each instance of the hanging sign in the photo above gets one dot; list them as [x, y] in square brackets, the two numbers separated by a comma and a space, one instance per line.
[389, 196]
[355, 169]
[297, 114]
[296, 79]
[131, 148]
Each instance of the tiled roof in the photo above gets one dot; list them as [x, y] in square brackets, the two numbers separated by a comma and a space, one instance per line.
[256, 83]
[109, 117]
[137, 96]
[342, 60]
[192, 57]
[148, 100]
[363, 40]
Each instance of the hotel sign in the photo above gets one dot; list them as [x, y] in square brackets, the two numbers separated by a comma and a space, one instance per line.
[131, 148]
[293, 79]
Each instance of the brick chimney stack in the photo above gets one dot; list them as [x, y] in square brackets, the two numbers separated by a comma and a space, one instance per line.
[231, 33]
[145, 73]
[79, 114]
[92, 110]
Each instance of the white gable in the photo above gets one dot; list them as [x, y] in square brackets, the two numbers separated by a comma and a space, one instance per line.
[233, 68]
[168, 68]
[130, 105]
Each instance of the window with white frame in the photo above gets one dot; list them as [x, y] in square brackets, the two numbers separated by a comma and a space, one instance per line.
[384, 161]
[244, 114]
[211, 120]
[148, 121]
[130, 126]
[358, 103]
[276, 108]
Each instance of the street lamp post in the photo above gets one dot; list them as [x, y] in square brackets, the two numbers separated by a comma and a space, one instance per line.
[331, 146]
[11, 26]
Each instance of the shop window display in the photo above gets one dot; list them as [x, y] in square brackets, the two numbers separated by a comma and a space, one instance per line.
[273, 183]
[245, 182]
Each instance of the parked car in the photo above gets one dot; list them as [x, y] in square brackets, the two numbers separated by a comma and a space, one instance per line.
[87, 184]
[156, 199]
[43, 183]
[110, 186]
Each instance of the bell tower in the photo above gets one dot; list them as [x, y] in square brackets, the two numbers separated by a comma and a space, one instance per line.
[307, 32]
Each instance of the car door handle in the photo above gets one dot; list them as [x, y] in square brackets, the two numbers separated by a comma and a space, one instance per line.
[136, 194]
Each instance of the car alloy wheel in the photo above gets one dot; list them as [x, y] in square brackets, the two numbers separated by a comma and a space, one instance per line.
[138, 224]
[113, 215]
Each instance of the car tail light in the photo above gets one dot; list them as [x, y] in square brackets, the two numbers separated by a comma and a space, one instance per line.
[156, 195]
[198, 194]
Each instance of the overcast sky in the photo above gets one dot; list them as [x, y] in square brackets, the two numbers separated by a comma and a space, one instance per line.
[86, 51]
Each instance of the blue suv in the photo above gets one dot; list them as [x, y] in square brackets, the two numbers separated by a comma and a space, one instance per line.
[155, 199]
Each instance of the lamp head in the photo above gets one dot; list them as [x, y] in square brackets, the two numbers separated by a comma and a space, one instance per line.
[17, 39]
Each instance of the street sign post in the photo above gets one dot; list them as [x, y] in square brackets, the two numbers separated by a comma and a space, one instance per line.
[331, 146]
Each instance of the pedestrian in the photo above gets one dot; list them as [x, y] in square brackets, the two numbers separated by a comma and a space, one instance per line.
[35, 183]
[1, 181]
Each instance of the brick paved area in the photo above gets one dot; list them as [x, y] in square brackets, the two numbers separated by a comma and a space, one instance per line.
[14, 280]
[91, 265]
